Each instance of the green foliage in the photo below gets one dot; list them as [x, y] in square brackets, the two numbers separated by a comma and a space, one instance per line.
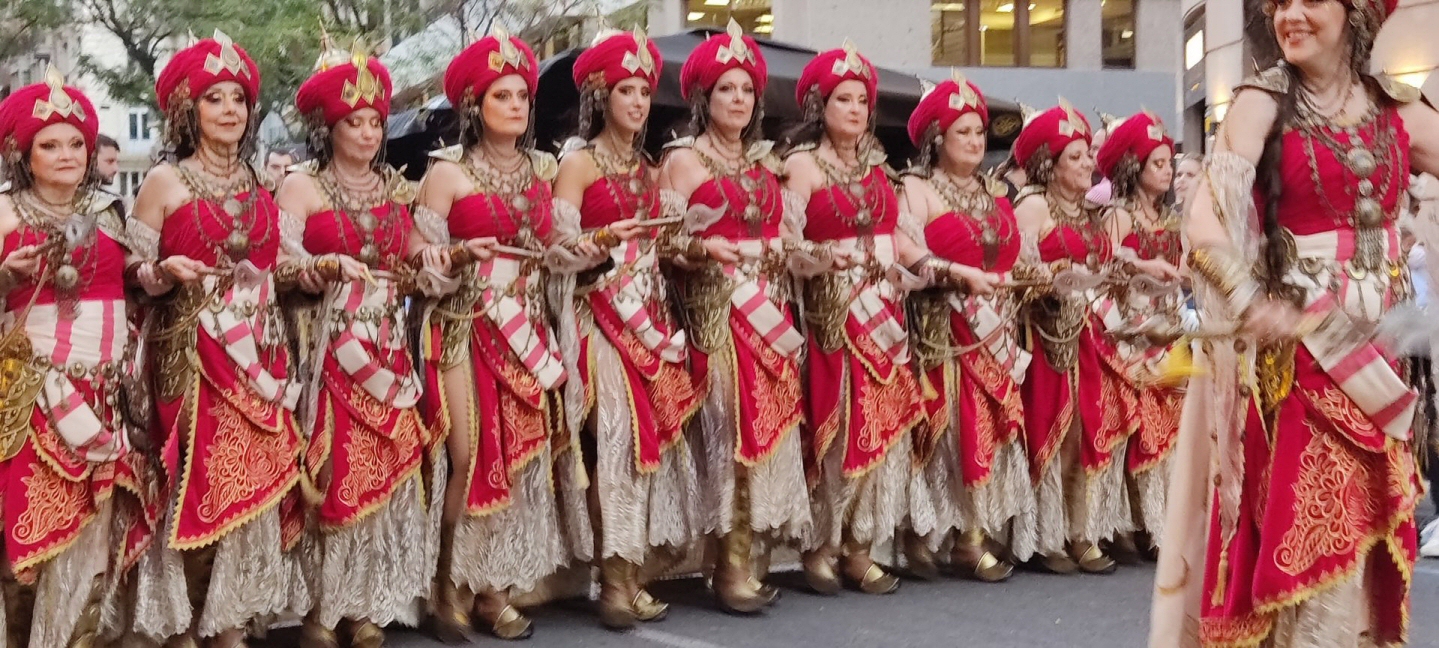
[22, 20]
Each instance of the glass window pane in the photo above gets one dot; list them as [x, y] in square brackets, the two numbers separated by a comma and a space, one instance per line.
[754, 16]
[948, 39]
[1118, 33]
[1046, 33]
[996, 33]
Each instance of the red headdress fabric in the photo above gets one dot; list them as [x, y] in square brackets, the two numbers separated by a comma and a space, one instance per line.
[1057, 127]
[214, 60]
[342, 86]
[1384, 7]
[486, 61]
[1139, 134]
[828, 69]
[30, 109]
[947, 102]
[719, 54]
[621, 56]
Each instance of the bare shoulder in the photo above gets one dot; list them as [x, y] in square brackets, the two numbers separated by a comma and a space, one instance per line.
[298, 194]
[1248, 122]
[9, 220]
[1031, 212]
[578, 164]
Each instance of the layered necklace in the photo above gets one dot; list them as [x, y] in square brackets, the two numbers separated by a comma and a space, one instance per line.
[355, 200]
[860, 199]
[626, 179]
[507, 177]
[737, 168]
[1371, 169]
[1157, 230]
[1072, 215]
[221, 183]
[69, 232]
[976, 208]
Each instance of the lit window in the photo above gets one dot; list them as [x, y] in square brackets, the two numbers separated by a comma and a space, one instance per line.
[755, 16]
[1117, 33]
[997, 32]
[1194, 50]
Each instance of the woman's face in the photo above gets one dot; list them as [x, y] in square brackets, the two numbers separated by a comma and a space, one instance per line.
[506, 107]
[224, 113]
[846, 112]
[358, 136]
[1157, 174]
[963, 143]
[59, 156]
[1186, 179]
[1310, 31]
[1074, 169]
[732, 101]
[629, 104]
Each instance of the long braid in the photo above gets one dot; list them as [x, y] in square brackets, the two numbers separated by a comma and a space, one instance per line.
[1271, 185]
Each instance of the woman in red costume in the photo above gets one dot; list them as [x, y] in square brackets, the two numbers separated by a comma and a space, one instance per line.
[1077, 414]
[515, 504]
[367, 445]
[221, 368]
[1291, 506]
[1145, 232]
[638, 391]
[973, 483]
[744, 344]
[68, 478]
[863, 399]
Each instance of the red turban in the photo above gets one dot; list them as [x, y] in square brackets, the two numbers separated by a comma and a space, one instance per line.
[214, 60]
[1384, 7]
[947, 102]
[486, 61]
[338, 89]
[30, 109]
[836, 66]
[1139, 134]
[719, 54]
[618, 57]
[1057, 127]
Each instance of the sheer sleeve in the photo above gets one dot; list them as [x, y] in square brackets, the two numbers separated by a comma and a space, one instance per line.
[144, 240]
[431, 225]
[560, 257]
[292, 235]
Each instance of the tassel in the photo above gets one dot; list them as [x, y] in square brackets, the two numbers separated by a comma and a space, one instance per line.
[1222, 579]
[1178, 364]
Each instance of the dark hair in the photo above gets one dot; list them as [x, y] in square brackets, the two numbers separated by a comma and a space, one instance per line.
[182, 131]
[105, 141]
[1040, 166]
[594, 114]
[320, 144]
[15, 168]
[810, 128]
[472, 121]
[1124, 179]
[700, 116]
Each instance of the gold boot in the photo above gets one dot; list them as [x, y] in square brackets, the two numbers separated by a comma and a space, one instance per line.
[1056, 563]
[972, 559]
[451, 619]
[1091, 559]
[313, 634]
[920, 558]
[873, 579]
[761, 561]
[734, 582]
[365, 634]
[87, 629]
[648, 608]
[819, 571]
[615, 605]
[509, 623]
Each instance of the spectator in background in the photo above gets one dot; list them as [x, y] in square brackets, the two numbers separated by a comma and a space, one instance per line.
[1101, 192]
[1186, 179]
[1013, 177]
[107, 159]
[277, 162]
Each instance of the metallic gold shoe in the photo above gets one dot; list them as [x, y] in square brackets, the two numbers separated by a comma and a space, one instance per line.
[992, 570]
[820, 573]
[768, 593]
[1091, 559]
[367, 635]
[970, 558]
[511, 625]
[314, 635]
[616, 610]
[876, 581]
[1056, 563]
[649, 609]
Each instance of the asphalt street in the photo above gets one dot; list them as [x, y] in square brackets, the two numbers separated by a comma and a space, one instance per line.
[1031, 610]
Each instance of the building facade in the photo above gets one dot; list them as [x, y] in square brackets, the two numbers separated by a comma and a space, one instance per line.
[1112, 56]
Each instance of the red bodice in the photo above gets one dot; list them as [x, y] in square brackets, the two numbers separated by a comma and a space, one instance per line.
[961, 238]
[1320, 191]
[503, 216]
[734, 194]
[1156, 244]
[837, 211]
[618, 197]
[335, 232]
[198, 229]
[1079, 242]
[101, 266]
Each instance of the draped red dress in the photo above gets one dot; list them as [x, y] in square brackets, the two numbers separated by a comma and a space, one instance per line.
[51, 487]
[1159, 405]
[864, 388]
[1091, 389]
[225, 396]
[991, 413]
[629, 310]
[366, 430]
[1328, 486]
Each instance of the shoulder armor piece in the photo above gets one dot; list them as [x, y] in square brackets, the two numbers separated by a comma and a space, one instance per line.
[264, 179]
[890, 172]
[573, 144]
[760, 150]
[545, 165]
[995, 188]
[454, 154]
[683, 142]
[1275, 80]
[800, 148]
[875, 156]
[1397, 90]
[1027, 191]
[308, 167]
[402, 190]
